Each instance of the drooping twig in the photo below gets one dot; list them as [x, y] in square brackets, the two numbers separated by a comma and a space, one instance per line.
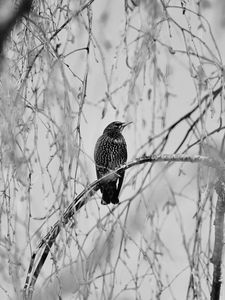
[81, 200]
[218, 243]
[15, 13]
[76, 14]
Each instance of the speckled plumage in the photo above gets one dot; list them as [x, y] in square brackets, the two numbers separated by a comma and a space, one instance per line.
[110, 153]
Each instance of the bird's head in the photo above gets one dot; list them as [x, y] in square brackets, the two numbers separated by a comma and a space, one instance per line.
[116, 127]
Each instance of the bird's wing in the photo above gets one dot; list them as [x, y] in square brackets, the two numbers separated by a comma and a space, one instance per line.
[122, 160]
[121, 176]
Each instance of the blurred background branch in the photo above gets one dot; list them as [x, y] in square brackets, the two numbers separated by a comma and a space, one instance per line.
[10, 13]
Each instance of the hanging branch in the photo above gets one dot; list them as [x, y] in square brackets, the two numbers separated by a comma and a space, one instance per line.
[216, 259]
[76, 14]
[15, 13]
[47, 242]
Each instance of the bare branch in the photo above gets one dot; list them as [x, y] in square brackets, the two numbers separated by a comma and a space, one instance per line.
[14, 15]
[82, 199]
[216, 259]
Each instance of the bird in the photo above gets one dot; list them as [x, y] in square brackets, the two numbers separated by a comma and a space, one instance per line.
[109, 154]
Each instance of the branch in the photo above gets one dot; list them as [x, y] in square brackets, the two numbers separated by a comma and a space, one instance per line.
[83, 198]
[216, 259]
[58, 30]
[168, 131]
[15, 13]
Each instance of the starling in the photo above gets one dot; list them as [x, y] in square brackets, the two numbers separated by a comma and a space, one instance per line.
[110, 153]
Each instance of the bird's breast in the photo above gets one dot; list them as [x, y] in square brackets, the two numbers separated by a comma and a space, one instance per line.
[110, 152]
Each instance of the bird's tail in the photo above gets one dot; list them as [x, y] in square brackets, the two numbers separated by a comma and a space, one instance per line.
[109, 193]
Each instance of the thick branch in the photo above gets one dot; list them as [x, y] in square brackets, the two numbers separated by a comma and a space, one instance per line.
[218, 243]
[82, 199]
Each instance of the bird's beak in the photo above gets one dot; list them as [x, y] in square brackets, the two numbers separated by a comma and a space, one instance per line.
[125, 124]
